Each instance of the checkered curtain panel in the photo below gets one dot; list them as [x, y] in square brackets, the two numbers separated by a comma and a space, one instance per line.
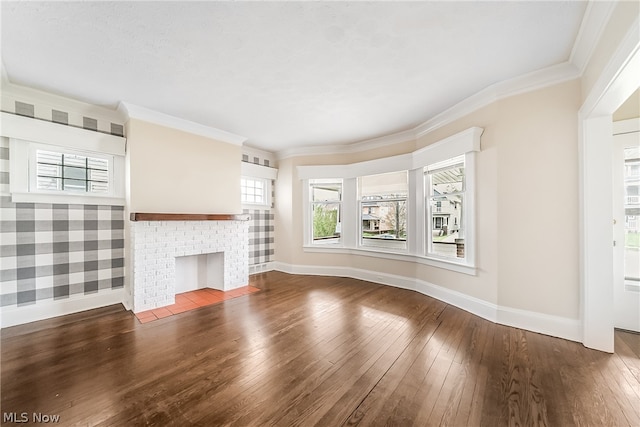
[53, 251]
[261, 236]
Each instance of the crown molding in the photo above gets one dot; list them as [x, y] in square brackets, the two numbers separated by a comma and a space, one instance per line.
[356, 147]
[132, 111]
[522, 84]
[461, 143]
[593, 24]
[596, 16]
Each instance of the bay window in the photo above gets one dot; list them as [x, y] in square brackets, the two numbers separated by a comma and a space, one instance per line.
[415, 207]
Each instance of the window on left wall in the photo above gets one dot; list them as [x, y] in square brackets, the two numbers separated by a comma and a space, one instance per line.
[73, 173]
[46, 173]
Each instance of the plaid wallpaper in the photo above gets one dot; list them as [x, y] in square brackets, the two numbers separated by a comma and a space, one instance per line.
[52, 251]
[261, 235]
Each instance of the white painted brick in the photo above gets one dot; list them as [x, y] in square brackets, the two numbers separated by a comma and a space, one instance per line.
[156, 244]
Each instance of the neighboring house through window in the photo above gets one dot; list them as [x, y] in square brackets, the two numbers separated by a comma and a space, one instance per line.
[445, 182]
[383, 210]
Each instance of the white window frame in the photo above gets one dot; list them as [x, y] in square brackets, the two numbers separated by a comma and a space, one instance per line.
[23, 177]
[465, 143]
[308, 217]
[429, 252]
[259, 172]
[33, 169]
[26, 135]
[362, 202]
[266, 187]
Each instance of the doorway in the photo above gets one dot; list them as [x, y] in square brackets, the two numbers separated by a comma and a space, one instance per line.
[626, 225]
[620, 78]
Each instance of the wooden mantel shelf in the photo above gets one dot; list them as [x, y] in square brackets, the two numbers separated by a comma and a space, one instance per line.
[138, 216]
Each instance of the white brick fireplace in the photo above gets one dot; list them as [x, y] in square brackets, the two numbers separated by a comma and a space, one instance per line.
[155, 245]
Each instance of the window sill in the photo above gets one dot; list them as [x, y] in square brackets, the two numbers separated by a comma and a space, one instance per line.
[66, 199]
[421, 259]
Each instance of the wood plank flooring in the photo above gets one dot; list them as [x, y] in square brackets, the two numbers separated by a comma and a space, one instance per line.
[313, 351]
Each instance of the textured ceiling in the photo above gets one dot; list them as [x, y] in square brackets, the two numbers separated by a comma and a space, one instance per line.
[284, 74]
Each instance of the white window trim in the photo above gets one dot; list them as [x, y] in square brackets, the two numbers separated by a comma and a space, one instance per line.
[22, 182]
[383, 249]
[266, 203]
[25, 132]
[254, 171]
[464, 143]
[468, 213]
[307, 235]
[33, 168]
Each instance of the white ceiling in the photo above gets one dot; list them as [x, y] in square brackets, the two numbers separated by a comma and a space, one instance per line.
[284, 74]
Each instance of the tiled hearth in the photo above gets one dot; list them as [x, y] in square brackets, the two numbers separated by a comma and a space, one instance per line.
[194, 299]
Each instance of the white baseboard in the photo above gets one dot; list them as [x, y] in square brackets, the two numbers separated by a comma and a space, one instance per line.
[260, 268]
[45, 309]
[554, 326]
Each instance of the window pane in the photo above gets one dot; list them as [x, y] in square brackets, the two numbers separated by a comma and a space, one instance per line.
[326, 192]
[101, 164]
[71, 172]
[326, 197]
[384, 186]
[75, 173]
[326, 224]
[74, 160]
[98, 187]
[447, 181]
[632, 213]
[446, 177]
[447, 231]
[384, 224]
[46, 183]
[446, 186]
[49, 170]
[49, 157]
[74, 185]
[98, 175]
[253, 190]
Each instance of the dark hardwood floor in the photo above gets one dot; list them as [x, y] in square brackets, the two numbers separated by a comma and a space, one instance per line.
[314, 351]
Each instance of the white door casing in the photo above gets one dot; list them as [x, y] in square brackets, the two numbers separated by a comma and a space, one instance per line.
[626, 293]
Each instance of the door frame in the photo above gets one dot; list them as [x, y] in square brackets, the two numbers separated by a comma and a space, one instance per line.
[625, 133]
[619, 79]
